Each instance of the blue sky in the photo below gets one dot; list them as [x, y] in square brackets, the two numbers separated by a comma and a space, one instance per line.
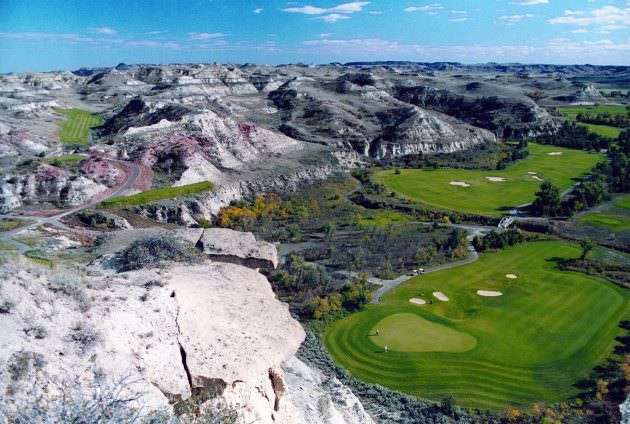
[40, 35]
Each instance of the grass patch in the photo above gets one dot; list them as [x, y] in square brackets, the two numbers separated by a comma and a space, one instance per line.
[39, 257]
[7, 246]
[570, 113]
[154, 195]
[548, 331]
[12, 224]
[382, 218]
[486, 197]
[614, 223]
[624, 203]
[65, 160]
[75, 128]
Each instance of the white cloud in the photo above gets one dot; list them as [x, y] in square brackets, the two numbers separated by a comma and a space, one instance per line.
[606, 15]
[155, 32]
[104, 30]
[458, 19]
[355, 6]
[258, 10]
[352, 7]
[326, 34]
[459, 12]
[579, 31]
[512, 19]
[205, 35]
[333, 17]
[425, 8]
[375, 12]
[307, 10]
[529, 2]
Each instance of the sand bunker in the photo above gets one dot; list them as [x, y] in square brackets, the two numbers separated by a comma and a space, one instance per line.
[555, 153]
[511, 276]
[496, 179]
[417, 301]
[532, 173]
[459, 183]
[537, 178]
[441, 296]
[489, 293]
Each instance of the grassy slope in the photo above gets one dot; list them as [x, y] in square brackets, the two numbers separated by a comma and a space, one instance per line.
[613, 223]
[490, 198]
[614, 217]
[76, 127]
[157, 194]
[571, 112]
[547, 331]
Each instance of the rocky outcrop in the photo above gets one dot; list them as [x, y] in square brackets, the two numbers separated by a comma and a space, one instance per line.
[212, 329]
[507, 117]
[48, 185]
[207, 205]
[225, 245]
[321, 399]
[413, 130]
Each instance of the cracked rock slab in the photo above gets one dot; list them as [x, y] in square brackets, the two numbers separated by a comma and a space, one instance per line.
[231, 326]
[225, 245]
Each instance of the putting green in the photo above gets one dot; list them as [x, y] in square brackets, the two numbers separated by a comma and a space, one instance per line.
[411, 333]
[487, 197]
[548, 331]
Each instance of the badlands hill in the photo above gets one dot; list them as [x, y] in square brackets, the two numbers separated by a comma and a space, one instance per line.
[250, 127]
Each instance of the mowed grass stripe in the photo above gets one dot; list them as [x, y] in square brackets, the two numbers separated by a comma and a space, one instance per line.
[491, 198]
[547, 332]
[76, 126]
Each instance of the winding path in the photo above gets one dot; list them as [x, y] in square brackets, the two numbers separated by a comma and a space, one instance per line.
[388, 285]
[7, 236]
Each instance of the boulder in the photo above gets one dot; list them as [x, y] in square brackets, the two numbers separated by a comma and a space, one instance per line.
[225, 245]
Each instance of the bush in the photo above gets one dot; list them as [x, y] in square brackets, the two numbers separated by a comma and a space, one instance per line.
[21, 363]
[155, 250]
[71, 285]
[6, 306]
[85, 336]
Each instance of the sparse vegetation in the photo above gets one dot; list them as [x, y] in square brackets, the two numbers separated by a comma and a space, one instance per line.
[157, 194]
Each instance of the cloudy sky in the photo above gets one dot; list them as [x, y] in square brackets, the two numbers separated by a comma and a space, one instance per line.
[53, 34]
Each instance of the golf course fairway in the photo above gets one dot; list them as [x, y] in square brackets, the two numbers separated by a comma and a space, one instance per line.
[547, 330]
[491, 192]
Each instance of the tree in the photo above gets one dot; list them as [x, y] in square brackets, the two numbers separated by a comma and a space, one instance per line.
[587, 246]
[547, 200]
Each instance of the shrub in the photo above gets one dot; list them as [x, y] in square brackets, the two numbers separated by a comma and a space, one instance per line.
[154, 251]
[20, 364]
[85, 336]
[6, 306]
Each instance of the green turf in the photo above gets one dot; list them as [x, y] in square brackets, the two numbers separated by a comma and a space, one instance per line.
[613, 223]
[624, 203]
[157, 194]
[75, 128]
[491, 198]
[411, 333]
[64, 160]
[382, 218]
[547, 331]
[571, 112]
